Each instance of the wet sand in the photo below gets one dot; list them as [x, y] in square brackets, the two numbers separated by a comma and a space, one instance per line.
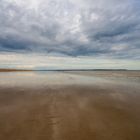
[70, 106]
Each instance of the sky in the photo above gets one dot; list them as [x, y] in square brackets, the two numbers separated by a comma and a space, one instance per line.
[70, 34]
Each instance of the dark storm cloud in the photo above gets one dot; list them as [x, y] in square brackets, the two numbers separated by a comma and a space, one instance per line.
[75, 28]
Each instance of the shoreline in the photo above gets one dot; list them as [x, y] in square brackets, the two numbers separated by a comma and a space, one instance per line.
[65, 70]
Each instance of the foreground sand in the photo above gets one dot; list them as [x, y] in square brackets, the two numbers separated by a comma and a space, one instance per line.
[70, 106]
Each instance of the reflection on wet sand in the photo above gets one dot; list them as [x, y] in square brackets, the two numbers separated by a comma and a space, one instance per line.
[73, 107]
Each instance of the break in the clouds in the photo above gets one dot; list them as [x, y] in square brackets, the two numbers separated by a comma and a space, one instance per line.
[101, 29]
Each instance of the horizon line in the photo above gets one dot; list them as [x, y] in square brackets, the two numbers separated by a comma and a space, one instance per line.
[13, 69]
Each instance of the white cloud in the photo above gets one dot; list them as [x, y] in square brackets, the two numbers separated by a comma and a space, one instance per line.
[35, 61]
[94, 28]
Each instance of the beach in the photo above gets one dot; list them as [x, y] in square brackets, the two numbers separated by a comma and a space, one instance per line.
[72, 105]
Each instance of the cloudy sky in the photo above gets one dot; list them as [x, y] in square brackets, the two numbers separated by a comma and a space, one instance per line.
[55, 34]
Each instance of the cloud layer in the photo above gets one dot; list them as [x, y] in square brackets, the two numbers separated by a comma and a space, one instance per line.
[39, 61]
[71, 27]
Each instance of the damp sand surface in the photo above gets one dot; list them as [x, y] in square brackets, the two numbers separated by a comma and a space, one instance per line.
[70, 105]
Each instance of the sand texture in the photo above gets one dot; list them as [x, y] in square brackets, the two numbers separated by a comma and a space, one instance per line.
[70, 105]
